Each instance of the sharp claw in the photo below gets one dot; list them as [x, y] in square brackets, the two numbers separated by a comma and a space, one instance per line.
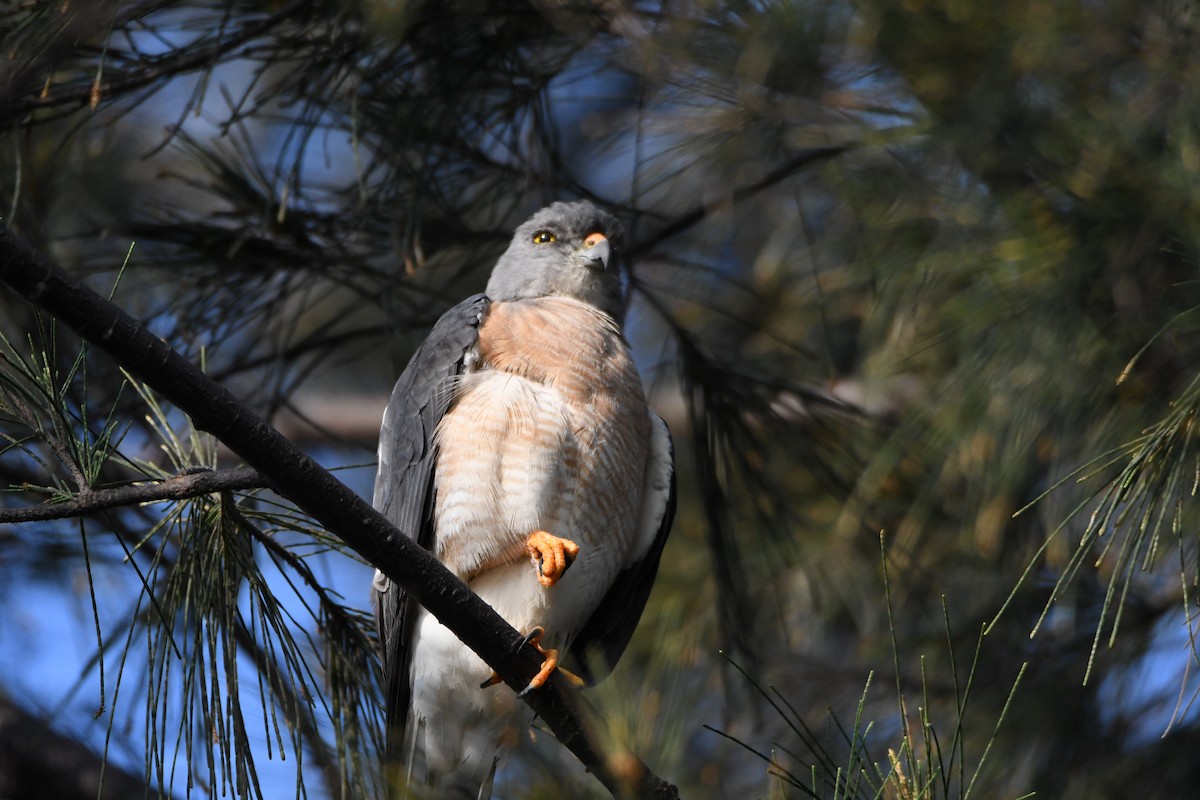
[533, 637]
[549, 667]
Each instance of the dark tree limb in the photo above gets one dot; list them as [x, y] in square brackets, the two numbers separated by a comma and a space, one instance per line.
[177, 487]
[300, 479]
[37, 762]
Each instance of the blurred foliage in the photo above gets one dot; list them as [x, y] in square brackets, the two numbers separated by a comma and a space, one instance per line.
[927, 268]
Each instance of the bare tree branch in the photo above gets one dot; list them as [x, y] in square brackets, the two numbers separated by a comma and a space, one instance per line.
[178, 487]
[296, 476]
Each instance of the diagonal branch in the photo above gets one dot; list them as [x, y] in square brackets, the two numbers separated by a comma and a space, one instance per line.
[303, 481]
[177, 487]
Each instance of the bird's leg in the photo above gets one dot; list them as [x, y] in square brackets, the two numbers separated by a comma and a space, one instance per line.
[551, 555]
[549, 665]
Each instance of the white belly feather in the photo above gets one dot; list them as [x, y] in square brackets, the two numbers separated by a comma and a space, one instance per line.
[486, 508]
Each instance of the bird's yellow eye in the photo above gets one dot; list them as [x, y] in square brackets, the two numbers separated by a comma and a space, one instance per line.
[544, 237]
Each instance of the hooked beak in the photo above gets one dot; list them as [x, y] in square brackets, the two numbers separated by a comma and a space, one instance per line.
[595, 251]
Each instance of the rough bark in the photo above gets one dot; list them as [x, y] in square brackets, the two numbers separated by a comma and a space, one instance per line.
[177, 487]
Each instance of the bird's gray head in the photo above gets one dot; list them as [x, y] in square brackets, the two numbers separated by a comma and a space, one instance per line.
[564, 250]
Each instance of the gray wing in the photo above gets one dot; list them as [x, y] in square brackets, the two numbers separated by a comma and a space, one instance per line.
[404, 487]
[598, 646]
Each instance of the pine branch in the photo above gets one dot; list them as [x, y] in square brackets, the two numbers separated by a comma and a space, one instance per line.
[299, 478]
[177, 487]
[299, 710]
[702, 211]
[20, 101]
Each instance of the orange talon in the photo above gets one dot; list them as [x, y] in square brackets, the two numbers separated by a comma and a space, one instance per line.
[551, 555]
[549, 666]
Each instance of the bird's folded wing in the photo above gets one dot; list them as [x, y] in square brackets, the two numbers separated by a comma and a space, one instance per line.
[602, 640]
[404, 483]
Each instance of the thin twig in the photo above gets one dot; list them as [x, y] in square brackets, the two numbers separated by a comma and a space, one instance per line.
[178, 487]
[182, 61]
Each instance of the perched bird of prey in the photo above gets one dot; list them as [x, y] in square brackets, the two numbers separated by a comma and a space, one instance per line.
[519, 448]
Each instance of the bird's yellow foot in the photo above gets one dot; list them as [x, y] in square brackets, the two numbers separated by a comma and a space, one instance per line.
[549, 665]
[551, 555]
